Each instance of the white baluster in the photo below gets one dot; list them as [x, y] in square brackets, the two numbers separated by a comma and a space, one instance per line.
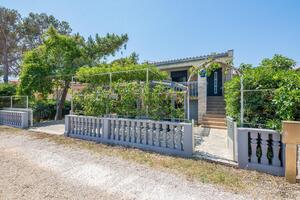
[276, 149]
[264, 148]
[138, 132]
[150, 134]
[254, 137]
[163, 135]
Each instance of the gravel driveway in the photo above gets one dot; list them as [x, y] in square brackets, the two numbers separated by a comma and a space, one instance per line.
[38, 169]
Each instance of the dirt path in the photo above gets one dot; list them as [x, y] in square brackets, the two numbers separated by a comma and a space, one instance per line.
[39, 169]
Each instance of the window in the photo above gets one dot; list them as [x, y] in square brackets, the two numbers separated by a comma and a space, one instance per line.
[179, 76]
[215, 82]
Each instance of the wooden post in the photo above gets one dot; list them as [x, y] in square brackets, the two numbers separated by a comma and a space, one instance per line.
[291, 139]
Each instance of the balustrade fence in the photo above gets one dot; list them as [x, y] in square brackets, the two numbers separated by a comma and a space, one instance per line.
[164, 137]
[14, 118]
[261, 150]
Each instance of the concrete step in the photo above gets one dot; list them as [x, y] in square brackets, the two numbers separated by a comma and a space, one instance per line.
[215, 116]
[216, 112]
[213, 123]
[216, 109]
[215, 104]
[214, 126]
[218, 119]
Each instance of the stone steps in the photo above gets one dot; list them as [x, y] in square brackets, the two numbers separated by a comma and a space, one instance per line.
[217, 121]
[215, 105]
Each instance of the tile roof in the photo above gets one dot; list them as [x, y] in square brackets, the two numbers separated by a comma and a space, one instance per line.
[196, 58]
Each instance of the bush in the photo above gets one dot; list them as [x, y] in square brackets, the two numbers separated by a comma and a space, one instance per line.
[133, 100]
[267, 107]
[46, 109]
[7, 89]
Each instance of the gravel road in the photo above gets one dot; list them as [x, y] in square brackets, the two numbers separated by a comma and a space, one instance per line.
[38, 169]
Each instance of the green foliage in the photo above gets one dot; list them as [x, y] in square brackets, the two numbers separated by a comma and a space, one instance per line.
[52, 64]
[133, 72]
[19, 35]
[35, 25]
[130, 60]
[131, 99]
[7, 89]
[46, 109]
[267, 107]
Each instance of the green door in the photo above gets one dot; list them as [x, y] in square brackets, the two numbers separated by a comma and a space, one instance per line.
[214, 83]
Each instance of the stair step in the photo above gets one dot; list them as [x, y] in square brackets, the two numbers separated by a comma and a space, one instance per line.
[215, 104]
[215, 109]
[216, 112]
[213, 123]
[219, 119]
[213, 126]
[215, 116]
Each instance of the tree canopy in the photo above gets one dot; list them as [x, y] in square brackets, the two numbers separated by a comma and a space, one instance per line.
[53, 63]
[18, 35]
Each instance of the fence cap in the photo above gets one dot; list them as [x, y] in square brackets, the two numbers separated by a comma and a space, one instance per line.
[291, 132]
[246, 129]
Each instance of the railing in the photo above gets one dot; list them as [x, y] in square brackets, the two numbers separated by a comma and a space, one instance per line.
[193, 87]
[28, 110]
[14, 118]
[164, 137]
[261, 150]
[232, 137]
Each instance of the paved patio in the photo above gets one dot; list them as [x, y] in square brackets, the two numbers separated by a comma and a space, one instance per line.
[211, 144]
[50, 127]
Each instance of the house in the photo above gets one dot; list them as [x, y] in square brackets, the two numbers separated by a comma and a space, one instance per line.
[206, 104]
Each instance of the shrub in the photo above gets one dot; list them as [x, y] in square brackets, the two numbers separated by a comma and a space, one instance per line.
[46, 109]
[133, 99]
[266, 107]
[7, 89]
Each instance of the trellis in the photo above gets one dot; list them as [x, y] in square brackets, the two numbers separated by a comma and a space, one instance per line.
[177, 87]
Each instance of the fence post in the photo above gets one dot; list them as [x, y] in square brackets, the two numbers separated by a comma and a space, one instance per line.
[291, 139]
[242, 147]
[24, 120]
[188, 140]
[106, 128]
[67, 125]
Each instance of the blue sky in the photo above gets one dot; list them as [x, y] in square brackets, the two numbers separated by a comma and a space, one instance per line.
[167, 29]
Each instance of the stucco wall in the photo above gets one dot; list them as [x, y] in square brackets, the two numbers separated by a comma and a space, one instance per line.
[298, 162]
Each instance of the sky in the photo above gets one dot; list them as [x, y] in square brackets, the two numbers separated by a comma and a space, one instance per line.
[169, 29]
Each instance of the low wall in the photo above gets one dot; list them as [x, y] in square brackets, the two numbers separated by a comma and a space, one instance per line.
[164, 137]
[261, 150]
[28, 110]
[14, 118]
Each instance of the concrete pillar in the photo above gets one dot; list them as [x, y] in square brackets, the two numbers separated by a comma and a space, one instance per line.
[202, 97]
[291, 139]
[188, 140]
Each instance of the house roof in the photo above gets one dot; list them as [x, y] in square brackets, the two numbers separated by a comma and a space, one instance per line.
[229, 53]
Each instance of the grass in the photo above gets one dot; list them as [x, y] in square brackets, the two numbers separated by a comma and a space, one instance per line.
[230, 178]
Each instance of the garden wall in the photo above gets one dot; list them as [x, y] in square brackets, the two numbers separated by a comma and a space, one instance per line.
[14, 118]
[159, 136]
[261, 150]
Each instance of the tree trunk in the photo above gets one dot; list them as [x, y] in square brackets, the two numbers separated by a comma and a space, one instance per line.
[5, 64]
[61, 103]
